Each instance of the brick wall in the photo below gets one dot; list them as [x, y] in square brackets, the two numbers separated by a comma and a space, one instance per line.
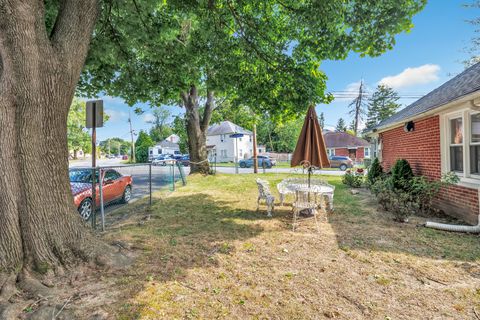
[344, 152]
[341, 152]
[421, 148]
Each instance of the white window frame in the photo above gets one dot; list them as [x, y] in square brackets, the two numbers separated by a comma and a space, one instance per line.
[463, 117]
[366, 152]
[330, 152]
[467, 179]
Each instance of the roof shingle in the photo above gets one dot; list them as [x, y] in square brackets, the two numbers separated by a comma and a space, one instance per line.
[461, 85]
[343, 140]
[226, 127]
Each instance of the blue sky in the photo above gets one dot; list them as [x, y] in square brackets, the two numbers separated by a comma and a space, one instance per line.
[421, 60]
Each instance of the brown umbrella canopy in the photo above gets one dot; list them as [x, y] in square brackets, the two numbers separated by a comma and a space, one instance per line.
[310, 149]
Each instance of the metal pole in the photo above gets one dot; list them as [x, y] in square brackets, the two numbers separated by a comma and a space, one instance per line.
[255, 163]
[150, 182]
[173, 175]
[94, 164]
[100, 189]
[236, 155]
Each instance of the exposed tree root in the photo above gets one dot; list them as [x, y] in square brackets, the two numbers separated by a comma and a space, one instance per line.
[35, 295]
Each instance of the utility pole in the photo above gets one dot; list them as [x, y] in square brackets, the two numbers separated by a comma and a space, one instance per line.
[131, 134]
[358, 110]
[255, 162]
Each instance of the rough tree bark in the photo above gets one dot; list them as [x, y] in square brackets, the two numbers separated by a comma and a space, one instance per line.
[197, 127]
[39, 226]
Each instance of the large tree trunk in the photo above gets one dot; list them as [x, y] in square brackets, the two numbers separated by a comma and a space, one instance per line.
[197, 128]
[39, 226]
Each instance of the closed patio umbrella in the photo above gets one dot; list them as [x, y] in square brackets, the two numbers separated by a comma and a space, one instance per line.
[310, 151]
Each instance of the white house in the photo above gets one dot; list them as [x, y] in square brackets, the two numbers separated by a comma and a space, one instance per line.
[173, 138]
[226, 148]
[164, 147]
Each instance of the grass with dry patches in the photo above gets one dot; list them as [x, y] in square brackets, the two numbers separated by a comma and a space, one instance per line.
[206, 253]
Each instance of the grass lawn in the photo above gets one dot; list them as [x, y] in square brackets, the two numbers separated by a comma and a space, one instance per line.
[206, 253]
[278, 165]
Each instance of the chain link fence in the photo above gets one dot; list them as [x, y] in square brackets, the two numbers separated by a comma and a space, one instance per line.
[119, 185]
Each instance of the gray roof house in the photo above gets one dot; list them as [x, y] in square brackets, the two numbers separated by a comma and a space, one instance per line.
[226, 127]
[439, 134]
[460, 86]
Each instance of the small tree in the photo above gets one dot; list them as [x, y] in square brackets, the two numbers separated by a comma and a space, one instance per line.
[375, 171]
[321, 120]
[402, 175]
[341, 126]
[382, 105]
[141, 147]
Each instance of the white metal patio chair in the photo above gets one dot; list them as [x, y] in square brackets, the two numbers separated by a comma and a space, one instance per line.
[305, 200]
[265, 194]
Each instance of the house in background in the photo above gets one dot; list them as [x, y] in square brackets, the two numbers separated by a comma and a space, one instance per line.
[440, 133]
[162, 148]
[226, 148]
[344, 144]
[173, 138]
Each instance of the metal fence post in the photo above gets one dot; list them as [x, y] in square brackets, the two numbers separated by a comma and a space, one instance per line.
[173, 176]
[150, 182]
[94, 199]
[100, 189]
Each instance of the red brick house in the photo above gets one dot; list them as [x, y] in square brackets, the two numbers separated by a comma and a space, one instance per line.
[440, 133]
[344, 144]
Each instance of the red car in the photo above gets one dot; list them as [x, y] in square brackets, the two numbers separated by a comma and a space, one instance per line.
[116, 187]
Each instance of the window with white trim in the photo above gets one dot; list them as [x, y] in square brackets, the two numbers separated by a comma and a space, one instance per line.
[456, 144]
[331, 152]
[475, 143]
[367, 152]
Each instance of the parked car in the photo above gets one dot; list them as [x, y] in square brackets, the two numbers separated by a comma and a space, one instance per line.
[341, 162]
[272, 161]
[124, 157]
[185, 160]
[262, 161]
[116, 187]
[163, 160]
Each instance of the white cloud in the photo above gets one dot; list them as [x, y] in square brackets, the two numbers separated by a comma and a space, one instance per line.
[412, 76]
[147, 117]
[115, 115]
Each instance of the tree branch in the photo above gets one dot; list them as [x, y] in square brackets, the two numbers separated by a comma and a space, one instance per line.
[73, 27]
[207, 112]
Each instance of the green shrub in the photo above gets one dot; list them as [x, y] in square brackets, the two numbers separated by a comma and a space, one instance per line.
[402, 174]
[352, 180]
[416, 196]
[375, 172]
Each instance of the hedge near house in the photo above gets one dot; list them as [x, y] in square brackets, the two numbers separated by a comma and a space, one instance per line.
[402, 174]
[375, 172]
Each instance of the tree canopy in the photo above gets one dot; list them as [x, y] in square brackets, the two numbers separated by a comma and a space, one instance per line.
[77, 136]
[141, 147]
[265, 54]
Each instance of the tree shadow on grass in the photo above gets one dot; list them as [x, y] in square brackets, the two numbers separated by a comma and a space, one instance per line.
[185, 231]
[360, 225]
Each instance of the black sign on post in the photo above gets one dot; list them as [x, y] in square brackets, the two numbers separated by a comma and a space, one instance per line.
[94, 114]
[94, 120]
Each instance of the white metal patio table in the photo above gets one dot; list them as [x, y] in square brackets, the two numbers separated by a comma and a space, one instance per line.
[318, 187]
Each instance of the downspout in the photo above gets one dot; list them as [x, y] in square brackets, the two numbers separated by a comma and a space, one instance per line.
[457, 228]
